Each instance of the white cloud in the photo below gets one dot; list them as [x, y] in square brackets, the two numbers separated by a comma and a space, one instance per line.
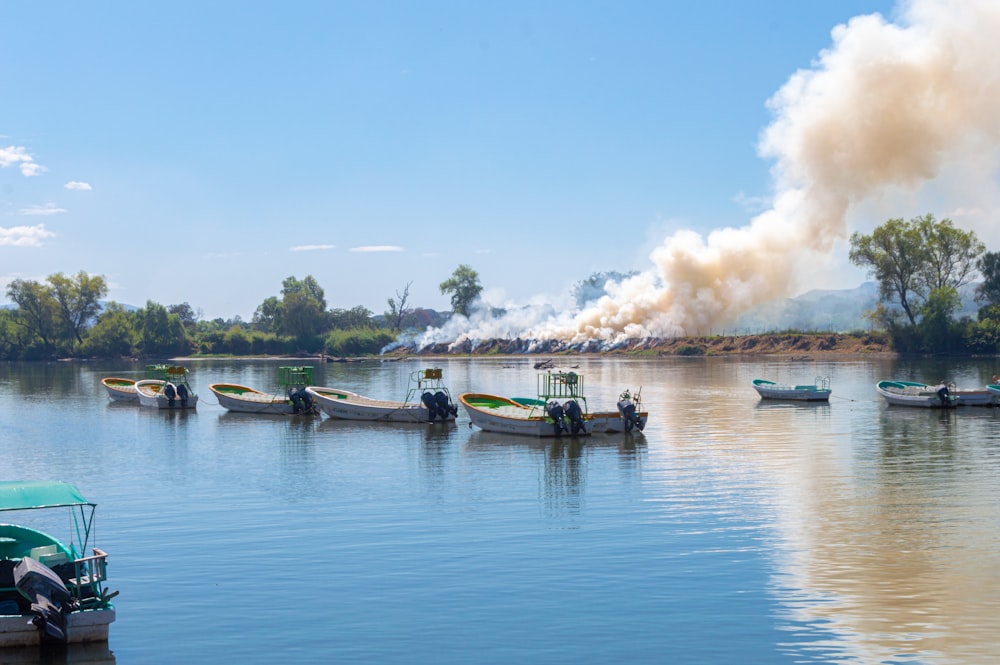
[45, 210]
[377, 248]
[309, 248]
[24, 236]
[15, 155]
[79, 186]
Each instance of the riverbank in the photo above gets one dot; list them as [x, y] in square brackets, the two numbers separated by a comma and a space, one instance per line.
[725, 345]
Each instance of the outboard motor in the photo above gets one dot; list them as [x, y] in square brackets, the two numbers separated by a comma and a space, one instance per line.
[444, 407]
[171, 392]
[301, 401]
[575, 415]
[49, 598]
[427, 399]
[629, 412]
[182, 393]
[942, 394]
[555, 412]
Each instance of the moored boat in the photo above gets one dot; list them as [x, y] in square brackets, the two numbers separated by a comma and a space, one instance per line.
[170, 391]
[120, 389]
[911, 393]
[818, 391]
[291, 398]
[427, 400]
[51, 592]
[548, 414]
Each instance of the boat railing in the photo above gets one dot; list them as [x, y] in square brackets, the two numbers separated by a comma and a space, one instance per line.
[822, 382]
[560, 385]
[89, 574]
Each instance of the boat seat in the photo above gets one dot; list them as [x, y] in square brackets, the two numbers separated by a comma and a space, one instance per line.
[48, 555]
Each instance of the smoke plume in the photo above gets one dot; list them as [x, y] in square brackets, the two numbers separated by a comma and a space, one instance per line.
[887, 106]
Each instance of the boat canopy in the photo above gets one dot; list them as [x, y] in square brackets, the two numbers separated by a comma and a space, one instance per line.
[29, 494]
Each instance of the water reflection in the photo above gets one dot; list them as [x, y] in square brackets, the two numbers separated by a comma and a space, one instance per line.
[894, 553]
[72, 654]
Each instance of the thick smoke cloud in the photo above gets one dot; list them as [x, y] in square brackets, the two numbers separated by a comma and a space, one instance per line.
[887, 107]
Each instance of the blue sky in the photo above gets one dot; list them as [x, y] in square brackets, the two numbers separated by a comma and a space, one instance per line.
[203, 152]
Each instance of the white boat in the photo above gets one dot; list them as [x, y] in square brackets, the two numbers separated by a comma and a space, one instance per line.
[291, 398]
[909, 393]
[120, 389]
[427, 400]
[818, 391]
[51, 592]
[171, 391]
[548, 415]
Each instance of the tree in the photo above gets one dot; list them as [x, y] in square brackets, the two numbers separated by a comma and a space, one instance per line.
[113, 334]
[267, 317]
[989, 268]
[189, 317]
[951, 254]
[79, 301]
[464, 287]
[37, 310]
[911, 259]
[160, 332]
[397, 308]
[358, 317]
[303, 308]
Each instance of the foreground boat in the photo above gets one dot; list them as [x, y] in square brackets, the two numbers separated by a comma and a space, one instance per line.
[909, 393]
[291, 397]
[51, 592]
[427, 400]
[547, 415]
[120, 389]
[170, 391]
[819, 391]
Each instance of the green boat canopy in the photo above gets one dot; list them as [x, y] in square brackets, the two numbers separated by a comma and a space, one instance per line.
[28, 494]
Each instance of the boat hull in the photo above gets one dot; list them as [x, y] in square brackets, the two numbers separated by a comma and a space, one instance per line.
[120, 390]
[492, 413]
[150, 394]
[242, 399]
[347, 405]
[16, 630]
[919, 395]
[771, 390]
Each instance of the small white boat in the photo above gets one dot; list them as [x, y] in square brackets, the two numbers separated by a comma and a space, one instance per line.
[427, 400]
[171, 391]
[120, 389]
[548, 415]
[819, 391]
[51, 591]
[291, 398]
[910, 393]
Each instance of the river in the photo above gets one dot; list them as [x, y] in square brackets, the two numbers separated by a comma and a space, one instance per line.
[730, 530]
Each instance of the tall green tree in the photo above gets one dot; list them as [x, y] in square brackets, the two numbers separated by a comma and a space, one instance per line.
[989, 268]
[79, 301]
[160, 332]
[464, 287]
[113, 335]
[911, 259]
[37, 310]
[303, 308]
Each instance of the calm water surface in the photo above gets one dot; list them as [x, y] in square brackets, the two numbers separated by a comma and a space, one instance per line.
[730, 531]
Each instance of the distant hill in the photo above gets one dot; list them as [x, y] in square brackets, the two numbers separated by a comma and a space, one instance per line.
[830, 310]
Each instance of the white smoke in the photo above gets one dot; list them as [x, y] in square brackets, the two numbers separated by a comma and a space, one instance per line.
[888, 106]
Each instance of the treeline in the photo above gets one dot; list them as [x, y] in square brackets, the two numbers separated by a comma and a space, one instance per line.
[920, 265]
[64, 316]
